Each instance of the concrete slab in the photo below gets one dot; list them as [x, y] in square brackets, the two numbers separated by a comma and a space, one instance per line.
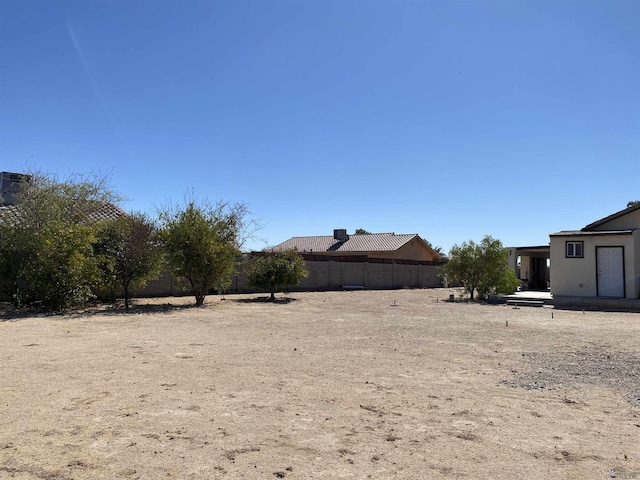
[530, 295]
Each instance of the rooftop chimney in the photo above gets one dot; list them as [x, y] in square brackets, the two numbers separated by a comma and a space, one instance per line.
[340, 234]
[10, 184]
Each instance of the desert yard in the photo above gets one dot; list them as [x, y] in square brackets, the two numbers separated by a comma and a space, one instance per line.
[363, 384]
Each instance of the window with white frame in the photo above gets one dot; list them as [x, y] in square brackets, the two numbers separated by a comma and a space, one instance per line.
[574, 250]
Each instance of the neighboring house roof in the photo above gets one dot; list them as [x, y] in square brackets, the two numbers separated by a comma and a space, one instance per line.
[368, 242]
[604, 220]
[10, 215]
[106, 211]
[103, 211]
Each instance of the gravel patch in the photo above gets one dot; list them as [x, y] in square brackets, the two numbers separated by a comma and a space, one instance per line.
[551, 371]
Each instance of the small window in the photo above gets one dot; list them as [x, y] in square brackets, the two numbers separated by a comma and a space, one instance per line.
[574, 250]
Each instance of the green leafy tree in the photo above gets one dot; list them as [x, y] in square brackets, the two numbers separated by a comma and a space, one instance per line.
[440, 260]
[362, 231]
[438, 249]
[273, 270]
[633, 203]
[481, 267]
[129, 253]
[63, 272]
[17, 247]
[53, 265]
[47, 238]
[202, 243]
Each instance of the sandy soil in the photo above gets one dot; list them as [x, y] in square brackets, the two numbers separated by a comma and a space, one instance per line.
[326, 385]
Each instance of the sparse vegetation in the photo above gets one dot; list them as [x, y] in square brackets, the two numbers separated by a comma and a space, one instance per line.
[202, 243]
[47, 249]
[129, 253]
[481, 268]
[273, 270]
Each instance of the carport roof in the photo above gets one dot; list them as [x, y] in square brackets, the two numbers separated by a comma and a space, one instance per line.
[535, 250]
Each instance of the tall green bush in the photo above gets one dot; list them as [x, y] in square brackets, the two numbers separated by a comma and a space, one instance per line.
[273, 270]
[47, 240]
[202, 242]
[481, 268]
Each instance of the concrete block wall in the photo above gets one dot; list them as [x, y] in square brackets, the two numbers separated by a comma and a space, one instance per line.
[376, 276]
[164, 286]
[325, 276]
[379, 276]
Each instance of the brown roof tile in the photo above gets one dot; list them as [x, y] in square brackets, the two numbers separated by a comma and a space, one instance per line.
[10, 215]
[369, 242]
[103, 211]
[106, 211]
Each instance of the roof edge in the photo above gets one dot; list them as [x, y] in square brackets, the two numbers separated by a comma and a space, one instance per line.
[613, 216]
[594, 233]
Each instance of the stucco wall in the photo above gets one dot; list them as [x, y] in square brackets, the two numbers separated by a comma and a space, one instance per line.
[577, 277]
[525, 267]
[636, 273]
[414, 250]
[512, 260]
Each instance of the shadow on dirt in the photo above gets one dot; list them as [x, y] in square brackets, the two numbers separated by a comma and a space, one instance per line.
[141, 309]
[9, 313]
[278, 300]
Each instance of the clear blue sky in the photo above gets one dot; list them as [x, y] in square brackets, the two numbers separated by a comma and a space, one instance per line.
[450, 119]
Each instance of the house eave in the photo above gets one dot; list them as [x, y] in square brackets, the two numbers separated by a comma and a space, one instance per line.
[596, 233]
[613, 216]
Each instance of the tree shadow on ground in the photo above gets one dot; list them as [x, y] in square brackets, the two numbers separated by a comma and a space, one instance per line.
[142, 309]
[9, 313]
[278, 300]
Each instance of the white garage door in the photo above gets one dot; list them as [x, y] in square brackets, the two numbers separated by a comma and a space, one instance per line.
[610, 268]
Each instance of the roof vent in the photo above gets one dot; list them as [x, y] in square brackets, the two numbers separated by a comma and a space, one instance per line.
[340, 234]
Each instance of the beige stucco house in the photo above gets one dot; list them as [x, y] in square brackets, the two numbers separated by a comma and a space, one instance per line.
[371, 261]
[600, 260]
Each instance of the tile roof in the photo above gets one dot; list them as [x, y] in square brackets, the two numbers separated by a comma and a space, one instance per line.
[103, 211]
[369, 242]
[106, 211]
[10, 214]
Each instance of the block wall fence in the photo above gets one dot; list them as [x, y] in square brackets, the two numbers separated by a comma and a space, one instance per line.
[325, 275]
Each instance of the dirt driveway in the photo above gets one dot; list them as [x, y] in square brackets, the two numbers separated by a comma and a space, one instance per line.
[327, 385]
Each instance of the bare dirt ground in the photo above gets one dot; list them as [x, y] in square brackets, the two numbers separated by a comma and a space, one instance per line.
[326, 385]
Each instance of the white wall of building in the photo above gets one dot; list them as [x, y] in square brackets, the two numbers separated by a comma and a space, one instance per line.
[578, 276]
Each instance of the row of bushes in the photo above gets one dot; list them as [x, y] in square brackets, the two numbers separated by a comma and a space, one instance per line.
[65, 243]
